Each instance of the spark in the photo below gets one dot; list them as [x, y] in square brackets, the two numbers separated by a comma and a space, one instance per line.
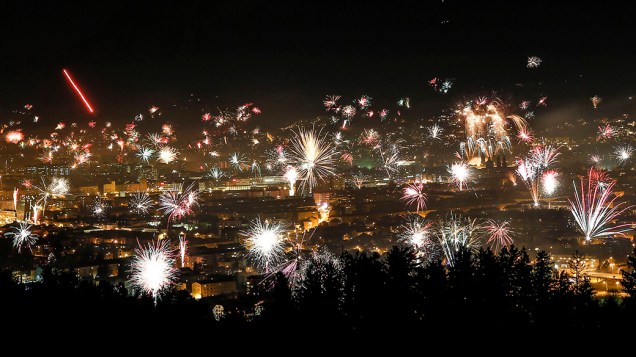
[596, 100]
[313, 156]
[405, 102]
[498, 234]
[68, 76]
[22, 236]
[153, 268]
[140, 202]
[542, 101]
[594, 209]
[264, 244]
[414, 193]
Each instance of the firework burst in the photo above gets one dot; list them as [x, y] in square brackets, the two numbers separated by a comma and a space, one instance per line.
[549, 182]
[23, 238]
[499, 234]
[265, 244]
[140, 203]
[594, 208]
[313, 155]
[144, 154]
[153, 268]
[534, 62]
[456, 233]
[414, 194]
[435, 132]
[623, 153]
[179, 203]
[167, 155]
[460, 174]
[417, 233]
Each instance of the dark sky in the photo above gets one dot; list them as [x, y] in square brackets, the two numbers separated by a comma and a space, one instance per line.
[285, 56]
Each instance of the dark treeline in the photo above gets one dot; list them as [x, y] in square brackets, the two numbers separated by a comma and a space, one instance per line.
[355, 295]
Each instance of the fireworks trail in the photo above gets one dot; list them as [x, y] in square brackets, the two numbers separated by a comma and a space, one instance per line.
[498, 234]
[153, 268]
[291, 175]
[529, 174]
[265, 244]
[79, 92]
[594, 209]
[22, 236]
[414, 193]
[313, 156]
[183, 245]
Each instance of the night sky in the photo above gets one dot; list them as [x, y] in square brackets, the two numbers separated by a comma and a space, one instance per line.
[286, 57]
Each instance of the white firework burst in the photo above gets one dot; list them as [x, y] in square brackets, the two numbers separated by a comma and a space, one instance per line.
[623, 153]
[23, 238]
[265, 244]
[313, 155]
[153, 268]
[167, 155]
[140, 202]
[144, 154]
[534, 62]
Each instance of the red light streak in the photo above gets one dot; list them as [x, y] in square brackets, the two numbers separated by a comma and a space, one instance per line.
[68, 76]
